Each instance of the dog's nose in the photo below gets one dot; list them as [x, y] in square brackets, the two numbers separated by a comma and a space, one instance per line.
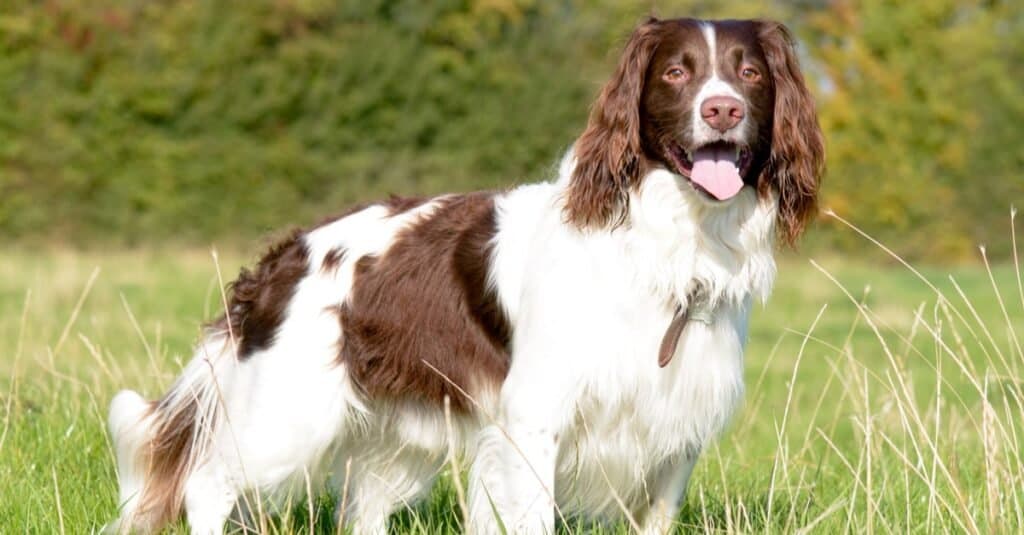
[722, 113]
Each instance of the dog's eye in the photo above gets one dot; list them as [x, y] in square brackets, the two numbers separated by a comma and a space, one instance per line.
[675, 75]
[750, 74]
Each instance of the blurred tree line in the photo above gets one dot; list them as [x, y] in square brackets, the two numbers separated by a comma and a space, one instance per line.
[191, 120]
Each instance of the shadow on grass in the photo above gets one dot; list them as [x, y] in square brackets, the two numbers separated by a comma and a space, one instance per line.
[440, 513]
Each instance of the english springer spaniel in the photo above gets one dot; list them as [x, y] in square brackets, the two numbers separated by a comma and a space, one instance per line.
[578, 341]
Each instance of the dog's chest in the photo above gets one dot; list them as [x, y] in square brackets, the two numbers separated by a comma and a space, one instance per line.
[626, 429]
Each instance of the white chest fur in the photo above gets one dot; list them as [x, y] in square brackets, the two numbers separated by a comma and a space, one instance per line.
[616, 443]
[589, 312]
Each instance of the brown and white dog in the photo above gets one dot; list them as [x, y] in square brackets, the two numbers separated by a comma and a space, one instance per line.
[587, 333]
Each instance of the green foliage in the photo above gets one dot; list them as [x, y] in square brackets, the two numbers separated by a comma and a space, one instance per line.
[186, 119]
[194, 120]
[923, 111]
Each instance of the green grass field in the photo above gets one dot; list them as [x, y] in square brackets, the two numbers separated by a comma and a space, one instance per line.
[875, 403]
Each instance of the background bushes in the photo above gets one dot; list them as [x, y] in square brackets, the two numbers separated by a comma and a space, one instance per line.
[140, 122]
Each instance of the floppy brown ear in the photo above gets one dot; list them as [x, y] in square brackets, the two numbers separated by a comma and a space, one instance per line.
[608, 153]
[797, 160]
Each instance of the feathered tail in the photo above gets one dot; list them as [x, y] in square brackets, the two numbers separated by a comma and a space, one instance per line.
[160, 443]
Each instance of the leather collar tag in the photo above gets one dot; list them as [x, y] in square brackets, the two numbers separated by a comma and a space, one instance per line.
[671, 338]
[695, 312]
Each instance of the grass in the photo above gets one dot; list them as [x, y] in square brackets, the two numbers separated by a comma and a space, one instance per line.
[878, 400]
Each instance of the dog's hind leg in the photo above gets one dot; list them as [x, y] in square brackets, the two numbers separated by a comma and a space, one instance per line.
[284, 411]
[210, 496]
[229, 426]
[376, 481]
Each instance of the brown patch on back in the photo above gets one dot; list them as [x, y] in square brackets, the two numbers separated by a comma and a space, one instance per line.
[425, 301]
[258, 297]
[333, 259]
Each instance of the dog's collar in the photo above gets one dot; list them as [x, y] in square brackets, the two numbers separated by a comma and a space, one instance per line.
[699, 310]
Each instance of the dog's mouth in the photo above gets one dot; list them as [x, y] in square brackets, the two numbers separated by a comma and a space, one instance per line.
[716, 169]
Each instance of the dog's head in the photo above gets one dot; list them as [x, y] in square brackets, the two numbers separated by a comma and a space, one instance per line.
[722, 104]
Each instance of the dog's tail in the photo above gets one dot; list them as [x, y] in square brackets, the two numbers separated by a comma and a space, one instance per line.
[160, 443]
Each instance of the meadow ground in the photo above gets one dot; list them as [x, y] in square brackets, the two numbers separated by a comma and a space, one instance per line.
[877, 401]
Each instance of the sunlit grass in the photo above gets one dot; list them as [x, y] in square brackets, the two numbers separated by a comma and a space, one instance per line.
[880, 398]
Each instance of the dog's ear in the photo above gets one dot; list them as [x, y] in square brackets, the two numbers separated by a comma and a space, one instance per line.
[797, 160]
[608, 153]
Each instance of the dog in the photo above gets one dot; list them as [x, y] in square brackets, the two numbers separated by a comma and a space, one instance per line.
[578, 342]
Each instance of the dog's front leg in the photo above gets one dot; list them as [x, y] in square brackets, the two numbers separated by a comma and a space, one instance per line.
[513, 480]
[530, 475]
[667, 491]
[513, 476]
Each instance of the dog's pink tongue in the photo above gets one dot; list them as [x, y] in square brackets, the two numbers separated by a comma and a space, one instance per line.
[715, 170]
